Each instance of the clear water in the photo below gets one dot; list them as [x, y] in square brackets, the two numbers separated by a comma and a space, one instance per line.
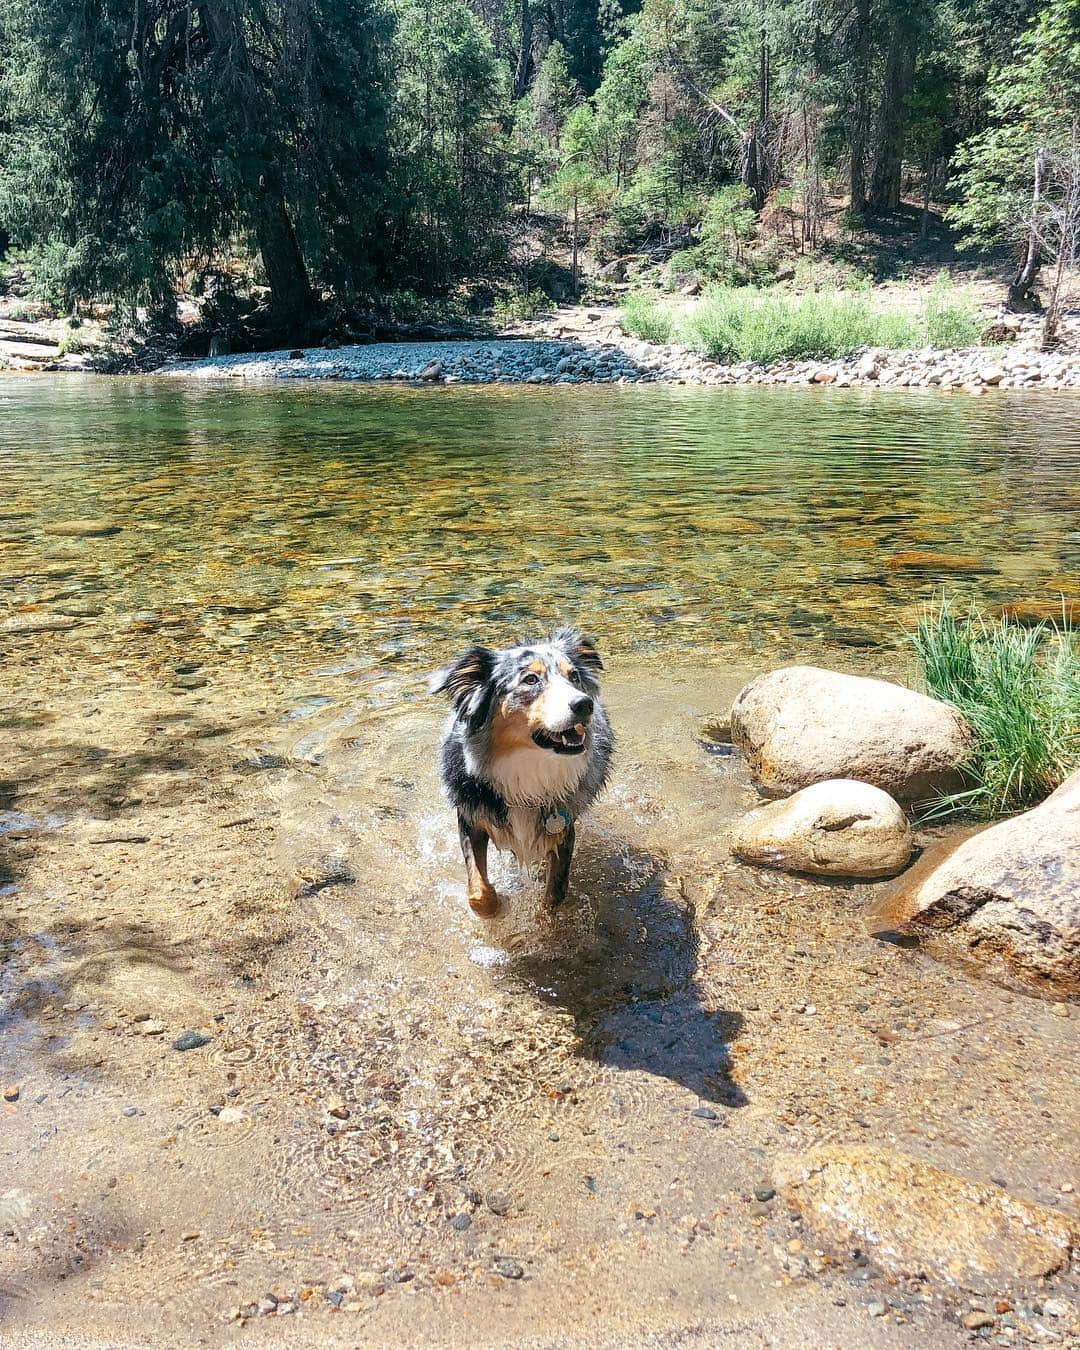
[395, 522]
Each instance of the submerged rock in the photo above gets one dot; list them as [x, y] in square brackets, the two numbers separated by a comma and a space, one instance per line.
[1012, 891]
[82, 529]
[840, 828]
[802, 725]
[915, 1220]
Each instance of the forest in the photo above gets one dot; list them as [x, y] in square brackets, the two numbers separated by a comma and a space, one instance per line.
[332, 151]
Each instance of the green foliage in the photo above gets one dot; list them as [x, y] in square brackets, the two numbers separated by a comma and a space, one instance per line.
[646, 317]
[950, 317]
[522, 305]
[449, 179]
[1019, 690]
[739, 323]
[1034, 105]
[353, 145]
[142, 140]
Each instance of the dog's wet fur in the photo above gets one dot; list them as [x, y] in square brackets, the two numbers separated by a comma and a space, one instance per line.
[525, 751]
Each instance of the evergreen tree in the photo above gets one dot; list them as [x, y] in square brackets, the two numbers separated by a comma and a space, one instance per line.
[150, 139]
[1020, 178]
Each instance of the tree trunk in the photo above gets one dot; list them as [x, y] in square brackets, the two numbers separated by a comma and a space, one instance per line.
[859, 111]
[576, 287]
[899, 74]
[1020, 296]
[757, 178]
[286, 272]
[523, 68]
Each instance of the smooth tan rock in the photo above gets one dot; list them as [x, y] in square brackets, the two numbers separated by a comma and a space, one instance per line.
[82, 529]
[839, 828]
[802, 725]
[917, 1220]
[1012, 891]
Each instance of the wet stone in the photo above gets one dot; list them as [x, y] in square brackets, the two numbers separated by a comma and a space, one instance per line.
[190, 1040]
[82, 529]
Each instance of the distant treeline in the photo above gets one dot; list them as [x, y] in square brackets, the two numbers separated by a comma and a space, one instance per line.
[347, 147]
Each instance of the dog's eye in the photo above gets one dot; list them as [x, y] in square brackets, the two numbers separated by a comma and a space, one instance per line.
[574, 677]
[530, 678]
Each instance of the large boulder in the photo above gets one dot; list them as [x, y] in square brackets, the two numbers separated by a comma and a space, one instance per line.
[916, 1220]
[1011, 892]
[801, 725]
[840, 828]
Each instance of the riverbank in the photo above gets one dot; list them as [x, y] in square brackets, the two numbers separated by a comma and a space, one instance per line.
[397, 1123]
[588, 346]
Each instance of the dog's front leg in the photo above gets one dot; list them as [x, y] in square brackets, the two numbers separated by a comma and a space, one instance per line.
[474, 847]
[558, 869]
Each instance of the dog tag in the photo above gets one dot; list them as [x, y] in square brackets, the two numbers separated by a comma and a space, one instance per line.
[556, 823]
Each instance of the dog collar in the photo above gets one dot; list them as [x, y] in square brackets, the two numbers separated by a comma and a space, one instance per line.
[558, 821]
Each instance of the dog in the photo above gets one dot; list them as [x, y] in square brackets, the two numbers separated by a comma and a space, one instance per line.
[525, 751]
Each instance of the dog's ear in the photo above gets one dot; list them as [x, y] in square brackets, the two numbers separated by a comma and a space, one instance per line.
[467, 683]
[581, 650]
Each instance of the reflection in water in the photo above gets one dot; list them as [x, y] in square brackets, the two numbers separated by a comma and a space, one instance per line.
[388, 525]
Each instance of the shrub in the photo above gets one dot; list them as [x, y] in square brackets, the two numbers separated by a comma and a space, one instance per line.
[515, 308]
[646, 317]
[764, 326]
[1019, 689]
[950, 316]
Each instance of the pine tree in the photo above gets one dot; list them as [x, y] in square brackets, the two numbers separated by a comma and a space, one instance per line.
[150, 139]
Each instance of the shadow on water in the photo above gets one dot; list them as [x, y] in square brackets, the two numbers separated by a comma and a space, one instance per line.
[623, 960]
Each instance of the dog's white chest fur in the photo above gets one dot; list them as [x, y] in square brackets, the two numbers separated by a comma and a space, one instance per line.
[529, 780]
[533, 777]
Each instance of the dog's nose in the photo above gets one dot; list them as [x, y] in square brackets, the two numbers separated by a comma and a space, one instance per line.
[582, 707]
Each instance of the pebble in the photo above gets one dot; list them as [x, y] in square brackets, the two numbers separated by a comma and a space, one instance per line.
[130, 1111]
[974, 1321]
[508, 1268]
[763, 1193]
[498, 1202]
[877, 1309]
[11, 1092]
[627, 359]
[459, 1222]
[190, 1040]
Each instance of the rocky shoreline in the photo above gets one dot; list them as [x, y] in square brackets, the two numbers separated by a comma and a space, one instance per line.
[609, 357]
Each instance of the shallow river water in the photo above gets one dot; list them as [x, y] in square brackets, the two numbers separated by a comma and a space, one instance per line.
[219, 813]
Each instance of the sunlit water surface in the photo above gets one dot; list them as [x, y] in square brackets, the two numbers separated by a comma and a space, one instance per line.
[391, 524]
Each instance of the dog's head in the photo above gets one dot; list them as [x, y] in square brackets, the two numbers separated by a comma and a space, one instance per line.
[540, 694]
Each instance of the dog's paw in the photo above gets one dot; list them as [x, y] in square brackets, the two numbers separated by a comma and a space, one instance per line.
[485, 904]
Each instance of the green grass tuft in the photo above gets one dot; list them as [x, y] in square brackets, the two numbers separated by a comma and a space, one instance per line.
[746, 323]
[646, 317]
[1019, 689]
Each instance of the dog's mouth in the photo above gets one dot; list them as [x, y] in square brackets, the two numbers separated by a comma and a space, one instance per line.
[570, 742]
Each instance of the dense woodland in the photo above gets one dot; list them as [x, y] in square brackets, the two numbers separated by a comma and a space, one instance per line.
[336, 150]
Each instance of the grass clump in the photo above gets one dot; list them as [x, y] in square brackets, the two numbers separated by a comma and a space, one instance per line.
[950, 319]
[519, 307]
[767, 324]
[646, 317]
[739, 324]
[1018, 687]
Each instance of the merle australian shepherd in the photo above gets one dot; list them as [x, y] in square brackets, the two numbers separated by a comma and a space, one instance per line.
[525, 751]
